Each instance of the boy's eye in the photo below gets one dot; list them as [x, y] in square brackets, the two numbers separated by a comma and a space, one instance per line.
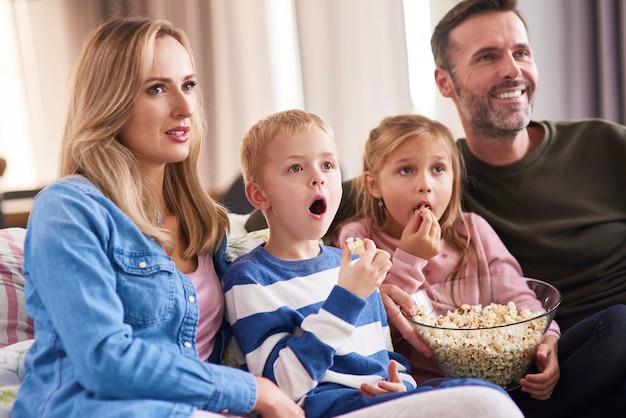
[295, 168]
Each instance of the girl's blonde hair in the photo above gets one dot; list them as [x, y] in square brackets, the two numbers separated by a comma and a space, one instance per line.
[107, 78]
[288, 122]
[392, 132]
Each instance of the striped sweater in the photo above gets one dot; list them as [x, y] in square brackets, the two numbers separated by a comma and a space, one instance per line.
[315, 340]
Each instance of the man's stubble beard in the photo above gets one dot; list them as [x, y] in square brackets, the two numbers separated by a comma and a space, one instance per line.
[489, 122]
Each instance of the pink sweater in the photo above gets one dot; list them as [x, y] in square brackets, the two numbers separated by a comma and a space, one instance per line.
[410, 273]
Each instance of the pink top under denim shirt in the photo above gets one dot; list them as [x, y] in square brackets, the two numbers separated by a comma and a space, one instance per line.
[410, 273]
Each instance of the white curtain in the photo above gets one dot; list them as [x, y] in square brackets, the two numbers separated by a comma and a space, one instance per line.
[351, 58]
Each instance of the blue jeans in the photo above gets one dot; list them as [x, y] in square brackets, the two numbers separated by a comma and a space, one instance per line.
[592, 358]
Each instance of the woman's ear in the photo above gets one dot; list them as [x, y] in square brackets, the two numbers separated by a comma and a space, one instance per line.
[444, 82]
[372, 185]
[256, 196]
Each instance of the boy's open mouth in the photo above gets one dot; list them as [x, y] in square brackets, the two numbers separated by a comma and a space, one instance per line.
[318, 207]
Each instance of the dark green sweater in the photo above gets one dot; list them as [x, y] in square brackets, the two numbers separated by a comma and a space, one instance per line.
[561, 211]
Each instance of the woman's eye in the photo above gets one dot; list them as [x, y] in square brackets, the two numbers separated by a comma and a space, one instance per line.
[156, 89]
[295, 168]
[189, 85]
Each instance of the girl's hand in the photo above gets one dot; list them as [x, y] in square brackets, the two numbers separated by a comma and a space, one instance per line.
[540, 385]
[271, 401]
[394, 299]
[383, 387]
[422, 235]
[364, 276]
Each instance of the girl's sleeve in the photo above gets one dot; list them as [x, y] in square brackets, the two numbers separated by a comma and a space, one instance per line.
[506, 271]
[406, 269]
[295, 356]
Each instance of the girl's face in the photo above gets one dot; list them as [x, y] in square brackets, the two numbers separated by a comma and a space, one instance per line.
[159, 128]
[416, 174]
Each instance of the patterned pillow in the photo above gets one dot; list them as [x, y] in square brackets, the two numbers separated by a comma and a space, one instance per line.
[15, 325]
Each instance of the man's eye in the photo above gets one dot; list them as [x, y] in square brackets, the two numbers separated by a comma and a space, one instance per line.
[295, 168]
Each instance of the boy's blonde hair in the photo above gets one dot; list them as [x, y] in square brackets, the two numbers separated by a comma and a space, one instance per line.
[392, 132]
[256, 140]
[108, 76]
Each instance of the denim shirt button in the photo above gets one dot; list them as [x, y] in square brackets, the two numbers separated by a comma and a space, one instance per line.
[191, 299]
[187, 344]
[143, 264]
[225, 411]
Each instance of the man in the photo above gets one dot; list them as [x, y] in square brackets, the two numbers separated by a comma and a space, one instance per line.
[554, 191]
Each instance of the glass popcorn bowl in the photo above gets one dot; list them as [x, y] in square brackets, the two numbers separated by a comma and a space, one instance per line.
[485, 328]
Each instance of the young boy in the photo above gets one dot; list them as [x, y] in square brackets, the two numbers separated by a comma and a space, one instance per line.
[305, 315]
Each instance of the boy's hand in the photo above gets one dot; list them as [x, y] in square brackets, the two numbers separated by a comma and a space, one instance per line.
[364, 276]
[383, 387]
[422, 235]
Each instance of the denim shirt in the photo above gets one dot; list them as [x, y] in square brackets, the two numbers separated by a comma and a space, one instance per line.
[115, 320]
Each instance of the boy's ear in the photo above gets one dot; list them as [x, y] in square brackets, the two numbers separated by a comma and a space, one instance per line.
[256, 197]
[444, 82]
[372, 185]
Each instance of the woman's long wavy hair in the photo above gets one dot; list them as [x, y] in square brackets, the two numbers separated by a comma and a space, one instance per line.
[107, 78]
[392, 132]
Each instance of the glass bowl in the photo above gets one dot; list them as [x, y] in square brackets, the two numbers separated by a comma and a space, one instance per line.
[485, 328]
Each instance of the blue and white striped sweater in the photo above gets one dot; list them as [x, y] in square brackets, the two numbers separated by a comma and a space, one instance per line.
[297, 327]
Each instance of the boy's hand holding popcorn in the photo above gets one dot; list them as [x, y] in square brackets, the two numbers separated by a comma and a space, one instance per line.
[365, 275]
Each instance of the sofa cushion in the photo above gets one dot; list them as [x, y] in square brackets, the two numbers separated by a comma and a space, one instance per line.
[15, 325]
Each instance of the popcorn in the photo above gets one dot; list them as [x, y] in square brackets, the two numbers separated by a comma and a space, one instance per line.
[482, 346]
[355, 245]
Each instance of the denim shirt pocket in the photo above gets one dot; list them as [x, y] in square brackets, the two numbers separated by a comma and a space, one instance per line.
[146, 286]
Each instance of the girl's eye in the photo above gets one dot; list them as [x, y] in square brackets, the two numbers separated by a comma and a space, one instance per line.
[189, 85]
[295, 168]
[405, 170]
[156, 89]
[328, 165]
[439, 169]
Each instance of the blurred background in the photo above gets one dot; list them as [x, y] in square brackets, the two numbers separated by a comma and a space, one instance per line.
[352, 62]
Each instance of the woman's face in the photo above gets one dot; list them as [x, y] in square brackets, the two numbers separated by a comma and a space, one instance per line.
[159, 128]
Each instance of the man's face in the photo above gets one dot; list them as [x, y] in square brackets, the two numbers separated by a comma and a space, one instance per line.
[494, 76]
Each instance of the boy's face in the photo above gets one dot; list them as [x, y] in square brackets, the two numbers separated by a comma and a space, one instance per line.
[301, 182]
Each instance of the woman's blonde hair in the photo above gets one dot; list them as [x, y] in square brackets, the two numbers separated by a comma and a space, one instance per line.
[108, 76]
[254, 143]
[392, 132]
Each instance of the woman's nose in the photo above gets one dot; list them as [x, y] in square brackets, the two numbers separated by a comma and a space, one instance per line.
[184, 106]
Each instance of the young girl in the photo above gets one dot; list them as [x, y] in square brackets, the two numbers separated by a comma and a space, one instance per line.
[410, 205]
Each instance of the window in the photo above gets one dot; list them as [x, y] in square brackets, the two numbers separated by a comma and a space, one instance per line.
[15, 106]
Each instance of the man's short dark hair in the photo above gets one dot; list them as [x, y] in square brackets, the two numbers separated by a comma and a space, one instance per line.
[440, 41]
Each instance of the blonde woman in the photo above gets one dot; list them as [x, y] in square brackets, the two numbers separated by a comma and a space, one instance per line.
[124, 253]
